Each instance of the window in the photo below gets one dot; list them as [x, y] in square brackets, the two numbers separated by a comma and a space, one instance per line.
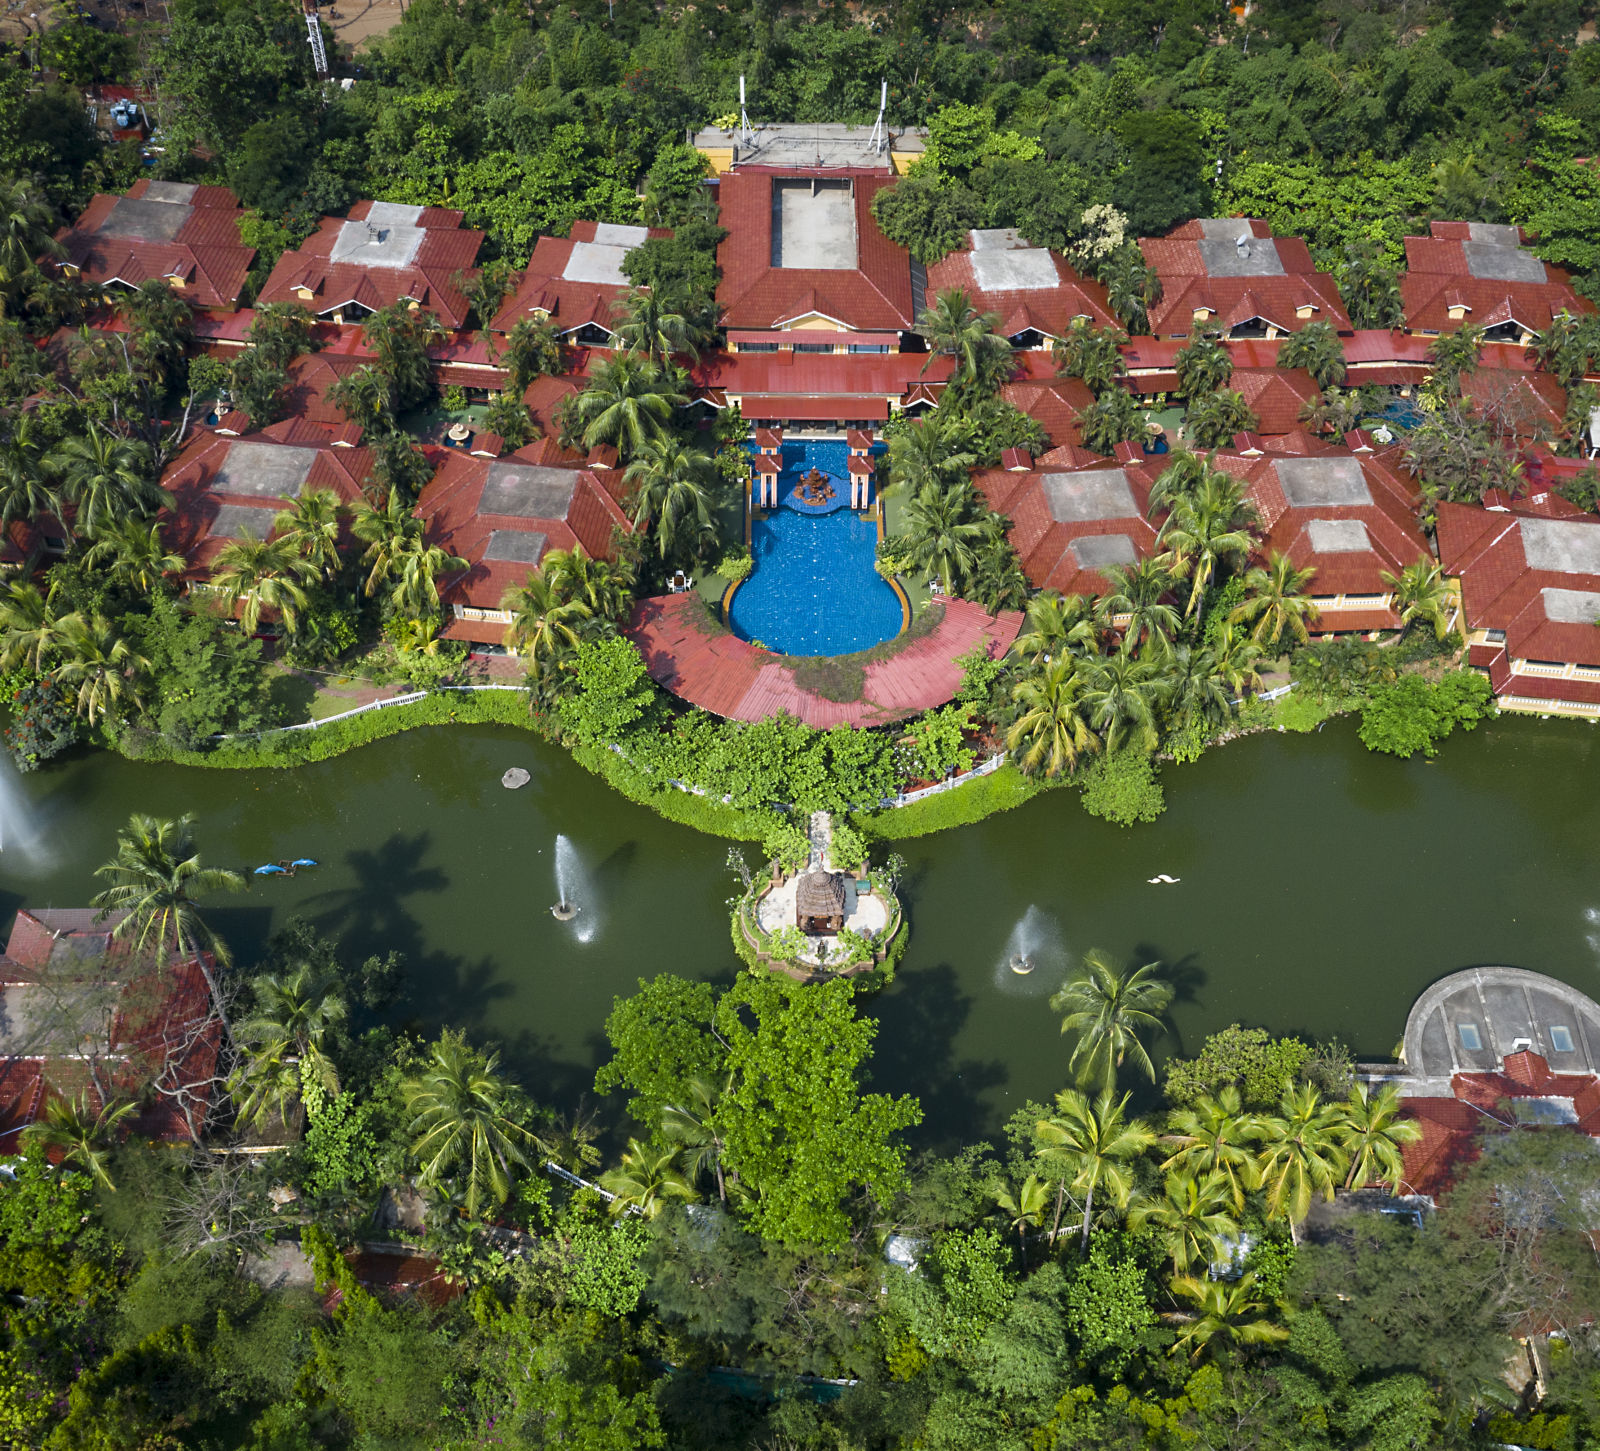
[1470, 1038]
[1561, 1040]
[1494, 637]
[869, 347]
[758, 347]
[813, 347]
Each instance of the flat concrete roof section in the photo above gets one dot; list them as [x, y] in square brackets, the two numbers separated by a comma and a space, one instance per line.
[1496, 234]
[527, 491]
[1470, 1021]
[234, 521]
[615, 234]
[144, 220]
[814, 225]
[818, 144]
[596, 262]
[1338, 536]
[380, 241]
[1493, 262]
[1100, 551]
[1562, 546]
[1081, 498]
[58, 1018]
[264, 470]
[1322, 483]
[1014, 269]
[1571, 606]
[1258, 258]
[181, 192]
[515, 546]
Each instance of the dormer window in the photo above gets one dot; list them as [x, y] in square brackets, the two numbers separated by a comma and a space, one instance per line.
[1459, 311]
[1203, 314]
[1306, 310]
[305, 294]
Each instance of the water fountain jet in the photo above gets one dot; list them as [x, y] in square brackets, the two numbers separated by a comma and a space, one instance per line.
[574, 891]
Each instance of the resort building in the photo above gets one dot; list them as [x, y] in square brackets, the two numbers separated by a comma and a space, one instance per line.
[77, 1015]
[1346, 513]
[805, 268]
[1231, 275]
[814, 145]
[832, 393]
[503, 515]
[1033, 291]
[171, 231]
[381, 254]
[1477, 272]
[1529, 572]
[575, 283]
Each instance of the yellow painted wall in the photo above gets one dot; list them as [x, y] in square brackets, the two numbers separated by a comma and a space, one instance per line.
[720, 157]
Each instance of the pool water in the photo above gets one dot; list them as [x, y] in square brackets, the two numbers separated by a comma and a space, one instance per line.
[814, 590]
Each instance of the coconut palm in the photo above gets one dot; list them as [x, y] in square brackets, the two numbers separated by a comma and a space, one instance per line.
[1215, 419]
[1025, 1207]
[467, 1121]
[1051, 731]
[1088, 1146]
[691, 1128]
[156, 882]
[1138, 594]
[1301, 1154]
[628, 402]
[1214, 1137]
[1206, 528]
[1199, 690]
[1132, 288]
[1091, 353]
[998, 582]
[1182, 477]
[1203, 365]
[1122, 695]
[1233, 658]
[531, 351]
[1114, 417]
[1421, 593]
[545, 623]
[929, 454]
[310, 526]
[399, 555]
[671, 486]
[27, 625]
[650, 325]
[1108, 1009]
[1317, 349]
[598, 584]
[1277, 602]
[940, 536]
[98, 663]
[1224, 1310]
[953, 328]
[1190, 1218]
[399, 338]
[25, 487]
[285, 1038]
[1369, 286]
[74, 1132]
[645, 1181]
[1454, 356]
[1057, 624]
[365, 399]
[134, 555]
[1374, 1137]
[1335, 411]
[105, 478]
[253, 575]
[27, 225]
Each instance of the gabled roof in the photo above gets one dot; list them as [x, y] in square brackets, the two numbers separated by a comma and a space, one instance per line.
[1276, 396]
[177, 231]
[873, 293]
[1486, 270]
[576, 279]
[380, 254]
[1028, 287]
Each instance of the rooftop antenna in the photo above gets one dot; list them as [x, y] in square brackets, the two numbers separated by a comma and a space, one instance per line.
[1242, 243]
[319, 52]
[747, 135]
[879, 139]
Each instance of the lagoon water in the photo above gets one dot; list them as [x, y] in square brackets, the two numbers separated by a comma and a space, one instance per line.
[1320, 889]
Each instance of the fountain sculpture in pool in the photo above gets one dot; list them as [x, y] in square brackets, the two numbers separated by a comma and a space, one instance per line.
[574, 892]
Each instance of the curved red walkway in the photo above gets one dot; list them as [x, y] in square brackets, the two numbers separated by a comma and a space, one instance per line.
[730, 677]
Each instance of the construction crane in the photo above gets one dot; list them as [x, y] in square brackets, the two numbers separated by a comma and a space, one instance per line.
[319, 51]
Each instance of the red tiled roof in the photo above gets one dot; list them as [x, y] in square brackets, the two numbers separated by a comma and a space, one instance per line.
[1047, 310]
[1276, 396]
[812, 409]
[545, 290]
[1052, 403]
[1439, 275]
[891, 376]
[874, 296]
[715, 670]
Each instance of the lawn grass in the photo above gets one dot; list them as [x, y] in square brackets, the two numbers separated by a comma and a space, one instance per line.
[999, 791]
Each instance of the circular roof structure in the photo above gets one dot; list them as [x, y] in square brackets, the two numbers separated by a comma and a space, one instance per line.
[1471, 1021]
[820, 894]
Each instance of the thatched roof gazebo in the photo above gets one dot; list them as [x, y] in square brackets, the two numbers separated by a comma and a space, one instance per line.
[819, 902]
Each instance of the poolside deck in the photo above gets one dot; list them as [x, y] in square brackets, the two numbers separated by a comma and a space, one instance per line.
[730, 677]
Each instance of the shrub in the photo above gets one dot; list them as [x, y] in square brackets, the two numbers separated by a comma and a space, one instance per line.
[42, 725]
[1260, 1066]
[735, 565]
[1121, 787]
[939, 742]
[849, 851]
[786, 844]
[1413, 714]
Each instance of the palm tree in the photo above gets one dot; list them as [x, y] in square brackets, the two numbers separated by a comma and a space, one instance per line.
[261, 574]
[598, 584]
[1024, 1208]
[1122, 695]
[1233, 658]
[134, 554]
[78, 1133]
[25, 491]
[1374, 1136]
[1317, 349]
[1088, 1145]
[365, 399]
[1567, 347]
[531, 351]
[1058, 624]
[628, 402]
[1277, 601]
[545, 623]
[1091, 353]
[99, 662]
[929, 454]
[293, 1016]
[647, 324]
[399, 338]
[1301, 1154]
[1206, 528]
[940, 536]
[1213, 1138]
[157, 880]
[1132, 288]
[1184, 474]
[1335, 411]
[1369, 286]
[1421, 592]
[106, 478]
[1114, 417]
[160, 327]
[27, 625]
[27, 225]
[1453, 356]
[953, 328]
[280, 332]
[671, 485]
[1203, 365]
[466, 1119]
[310, 526]
[1139, 592]
[691, 1128]
[645, 1181]
[1228, 1310]
[1215, 419]
[1190, 1218]
[1199, 689]
[398, 554]
[1108, 1009]
[1051, 731]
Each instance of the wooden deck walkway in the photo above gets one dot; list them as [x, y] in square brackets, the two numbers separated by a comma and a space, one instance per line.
[715, 670]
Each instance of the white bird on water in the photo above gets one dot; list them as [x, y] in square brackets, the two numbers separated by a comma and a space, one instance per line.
[1163, 877]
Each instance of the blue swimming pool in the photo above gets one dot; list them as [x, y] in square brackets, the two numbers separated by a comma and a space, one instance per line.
[814, 590]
